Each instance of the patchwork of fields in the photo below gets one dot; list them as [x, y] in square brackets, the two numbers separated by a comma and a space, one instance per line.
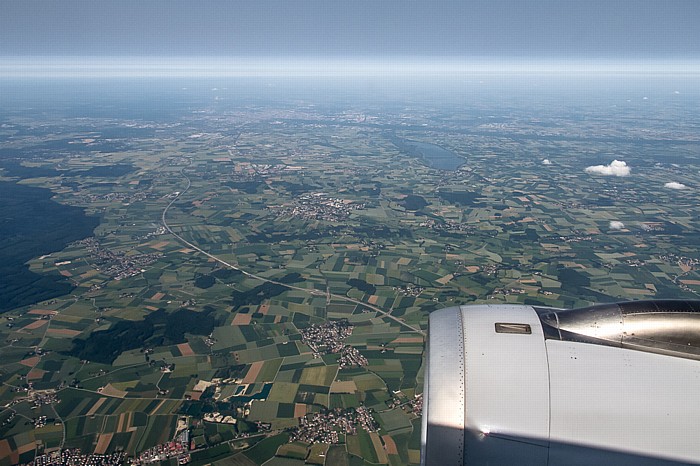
[307, 216]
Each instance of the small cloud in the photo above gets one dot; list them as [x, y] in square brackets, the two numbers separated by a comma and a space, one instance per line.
[645, 98]
[676, 92]
[616, 225]
[675, 185]
[616, 168]
[546, 162]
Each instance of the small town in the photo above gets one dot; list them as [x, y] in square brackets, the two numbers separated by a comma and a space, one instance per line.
[178, 448]
[318, 206]
[328, 339]
[119, 265]
[326, 426]
[75, 457]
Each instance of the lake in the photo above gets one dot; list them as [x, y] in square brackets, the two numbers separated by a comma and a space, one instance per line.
[432, 155]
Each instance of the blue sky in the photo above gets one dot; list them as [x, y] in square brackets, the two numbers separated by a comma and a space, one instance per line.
[277, 32]
[503, 28]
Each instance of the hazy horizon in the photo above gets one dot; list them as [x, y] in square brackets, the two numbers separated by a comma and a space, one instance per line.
[401, 66]
[276, 38]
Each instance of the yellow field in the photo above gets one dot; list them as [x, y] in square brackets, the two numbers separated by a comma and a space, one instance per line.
[319, 375]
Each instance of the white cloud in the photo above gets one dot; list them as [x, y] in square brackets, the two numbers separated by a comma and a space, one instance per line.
[616, 225]
[616, 168]
[675, 185]
[546, 162]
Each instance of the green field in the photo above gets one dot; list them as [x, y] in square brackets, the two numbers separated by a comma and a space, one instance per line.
[285, 215]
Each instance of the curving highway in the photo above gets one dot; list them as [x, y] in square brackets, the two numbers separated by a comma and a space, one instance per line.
[177, 195]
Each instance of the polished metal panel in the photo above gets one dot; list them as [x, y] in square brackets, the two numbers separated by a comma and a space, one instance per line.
[672, 334]
[598, 322]
[670, 327]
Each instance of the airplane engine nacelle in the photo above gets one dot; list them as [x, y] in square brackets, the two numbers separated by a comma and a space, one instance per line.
[609, 384]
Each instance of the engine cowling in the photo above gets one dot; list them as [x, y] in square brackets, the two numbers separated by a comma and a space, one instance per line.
[516, 384]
